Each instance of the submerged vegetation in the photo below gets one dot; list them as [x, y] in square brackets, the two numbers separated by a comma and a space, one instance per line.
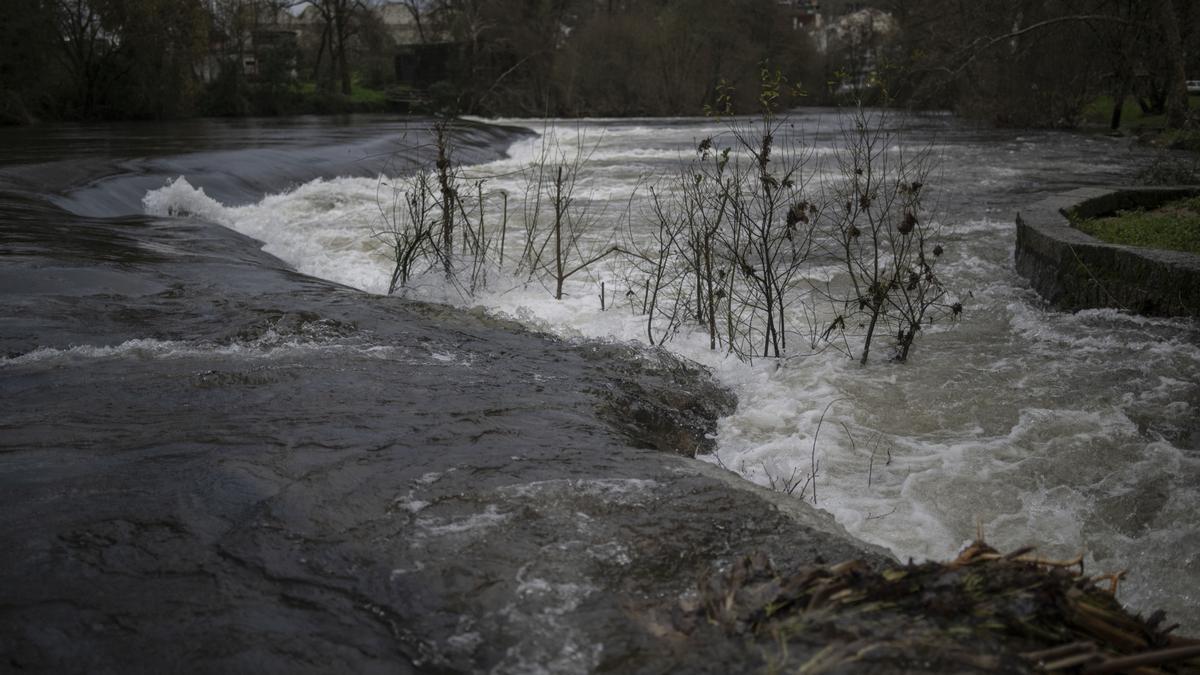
[1174, 226]
[739, 244]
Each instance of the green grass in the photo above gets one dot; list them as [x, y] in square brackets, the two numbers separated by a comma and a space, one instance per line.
[364, 95]
[358, 93]
[1098, 113]
[1175, 226]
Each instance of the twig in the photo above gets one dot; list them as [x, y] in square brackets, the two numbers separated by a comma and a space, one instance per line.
[813, 457]
[1151, 658]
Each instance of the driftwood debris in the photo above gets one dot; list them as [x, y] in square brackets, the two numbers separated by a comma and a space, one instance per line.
[982, 611]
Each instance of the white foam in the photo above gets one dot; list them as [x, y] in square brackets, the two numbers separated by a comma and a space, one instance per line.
[474, 523]
[269, 346]
[179, 198]
[612, 490]
[1025, 421]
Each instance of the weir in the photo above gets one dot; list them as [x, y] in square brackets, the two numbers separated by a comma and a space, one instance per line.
[205, 442]
[204, 448]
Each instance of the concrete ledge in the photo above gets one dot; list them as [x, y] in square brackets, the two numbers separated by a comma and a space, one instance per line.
[1074, 271]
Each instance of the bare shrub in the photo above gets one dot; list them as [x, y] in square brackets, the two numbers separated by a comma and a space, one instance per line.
[888, 241]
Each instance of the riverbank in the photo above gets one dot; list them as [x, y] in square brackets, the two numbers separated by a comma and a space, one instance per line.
[1148, 128]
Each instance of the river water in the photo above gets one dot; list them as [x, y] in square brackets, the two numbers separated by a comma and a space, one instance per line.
[1074, 433]
[1070, 432]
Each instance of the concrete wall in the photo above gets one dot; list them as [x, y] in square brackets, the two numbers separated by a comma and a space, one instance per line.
[1076, 271]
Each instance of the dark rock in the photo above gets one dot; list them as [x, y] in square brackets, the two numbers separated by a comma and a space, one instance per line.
[659, 400]
[210, 463]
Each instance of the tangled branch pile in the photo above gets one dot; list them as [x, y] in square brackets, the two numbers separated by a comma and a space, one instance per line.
[982, 612]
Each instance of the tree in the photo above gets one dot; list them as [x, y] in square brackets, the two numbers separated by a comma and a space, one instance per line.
[1034, 62]
[131, 58]
[338, 19]
[27, 78]
[1176, 76]
[88, 50]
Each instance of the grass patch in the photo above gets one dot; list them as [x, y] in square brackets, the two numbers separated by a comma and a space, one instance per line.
[360, 97]
[360, 94]
[1174, 225]
[1098, 113]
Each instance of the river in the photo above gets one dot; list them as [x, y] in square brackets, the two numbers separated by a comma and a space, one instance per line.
[1074, 433]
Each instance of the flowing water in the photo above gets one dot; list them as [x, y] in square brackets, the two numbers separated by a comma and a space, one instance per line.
[1069, 432]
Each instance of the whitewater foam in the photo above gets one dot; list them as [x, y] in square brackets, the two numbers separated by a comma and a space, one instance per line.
[1042, 428]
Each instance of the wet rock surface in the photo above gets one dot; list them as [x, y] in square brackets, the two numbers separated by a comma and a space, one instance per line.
[211, 463]
[659, 400]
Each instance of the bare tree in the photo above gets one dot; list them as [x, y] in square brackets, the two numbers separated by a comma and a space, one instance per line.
[338, 19]
[884, 235]
[995, 50]
[88, 49]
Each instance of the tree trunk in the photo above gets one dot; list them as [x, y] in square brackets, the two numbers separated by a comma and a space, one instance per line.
[320, 57]
[342, 33]
[1119, 97]
[344, 68]
[1176, 80]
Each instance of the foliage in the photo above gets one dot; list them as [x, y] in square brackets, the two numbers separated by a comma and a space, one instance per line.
[437, 220]
[26, 75]
[127, 58]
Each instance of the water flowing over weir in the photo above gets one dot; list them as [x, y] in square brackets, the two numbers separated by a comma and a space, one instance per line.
[211, 462]
[1071, 432]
